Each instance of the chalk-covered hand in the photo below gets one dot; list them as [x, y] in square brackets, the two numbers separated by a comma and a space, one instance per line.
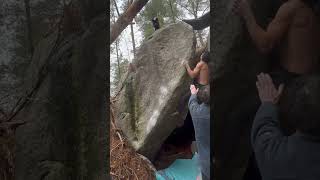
[193, 89]
[266, 89]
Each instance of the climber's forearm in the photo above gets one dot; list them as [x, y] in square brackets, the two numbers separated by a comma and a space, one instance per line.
[258, 35]
[190, 72]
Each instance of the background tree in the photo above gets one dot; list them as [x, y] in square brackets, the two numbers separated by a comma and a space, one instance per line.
[140, 28]
[126, 18]
[115, 11]
[114, 48]
[196, 9]
[118, 71]
[166, 11]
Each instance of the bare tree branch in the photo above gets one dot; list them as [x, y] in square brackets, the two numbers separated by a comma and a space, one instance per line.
[186, 8]
[127, 17]
[173, 16]
[199, 23]
[115, 5]
[204, 11]
[132, 35]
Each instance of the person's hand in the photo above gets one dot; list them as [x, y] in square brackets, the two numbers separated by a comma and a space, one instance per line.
[240, 7]
[266, 89]
[198, 177]
[193, 89]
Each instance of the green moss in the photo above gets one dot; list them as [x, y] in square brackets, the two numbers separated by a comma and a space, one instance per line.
[130, 101]
[132, 104]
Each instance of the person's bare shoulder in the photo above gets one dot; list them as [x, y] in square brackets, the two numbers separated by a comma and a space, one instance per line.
[288, 9]
[304, 14]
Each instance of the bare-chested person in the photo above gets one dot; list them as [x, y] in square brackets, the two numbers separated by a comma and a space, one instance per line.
[294, 30]
[200, 73]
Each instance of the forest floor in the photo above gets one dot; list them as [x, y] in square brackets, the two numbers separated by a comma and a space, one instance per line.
[125, 163]
[6, 154]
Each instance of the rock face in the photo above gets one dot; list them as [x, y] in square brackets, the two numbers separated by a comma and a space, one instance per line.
[13, 54]
[62, 89]
[65, 136]
[155, 93]
[236, 62]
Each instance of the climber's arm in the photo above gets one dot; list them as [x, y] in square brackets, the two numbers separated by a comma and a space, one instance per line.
[195, 72]
[193, 102]
[266, 39]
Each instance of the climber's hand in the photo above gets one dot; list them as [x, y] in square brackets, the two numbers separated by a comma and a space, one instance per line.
[193, 89]
[266, 89]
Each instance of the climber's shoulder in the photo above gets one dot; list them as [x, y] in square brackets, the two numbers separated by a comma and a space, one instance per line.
[287, 9]
[290, 7]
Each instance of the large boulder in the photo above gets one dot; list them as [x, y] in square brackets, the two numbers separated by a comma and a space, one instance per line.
[13, 54]
[58, 91]
[17, 42]
[155, 93]
[236, 62]
[65, 135]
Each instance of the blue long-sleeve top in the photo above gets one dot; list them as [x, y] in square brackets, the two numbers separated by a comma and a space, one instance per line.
[280, 157]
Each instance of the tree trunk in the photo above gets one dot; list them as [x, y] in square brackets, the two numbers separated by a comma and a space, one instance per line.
[200, 37]
[124, 20]
[116, 6]
[118, 60]
[199, 23]
[117, 41]
[133, 42]
[132, 35]
[173, 16]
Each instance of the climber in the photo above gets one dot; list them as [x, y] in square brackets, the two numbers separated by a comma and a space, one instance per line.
[294, 156]
[155, 23]
[200, 73]
[295, 31]
[199, 107]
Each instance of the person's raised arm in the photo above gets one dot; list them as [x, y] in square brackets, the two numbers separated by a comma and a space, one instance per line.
[193, 103]
[195, 72]
[266, 133]
[266, 39]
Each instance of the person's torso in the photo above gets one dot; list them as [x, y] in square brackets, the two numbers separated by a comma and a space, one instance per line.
[300, 51]
[203, 77]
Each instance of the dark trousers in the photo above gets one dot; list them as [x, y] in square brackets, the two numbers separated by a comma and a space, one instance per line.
[198, 85]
